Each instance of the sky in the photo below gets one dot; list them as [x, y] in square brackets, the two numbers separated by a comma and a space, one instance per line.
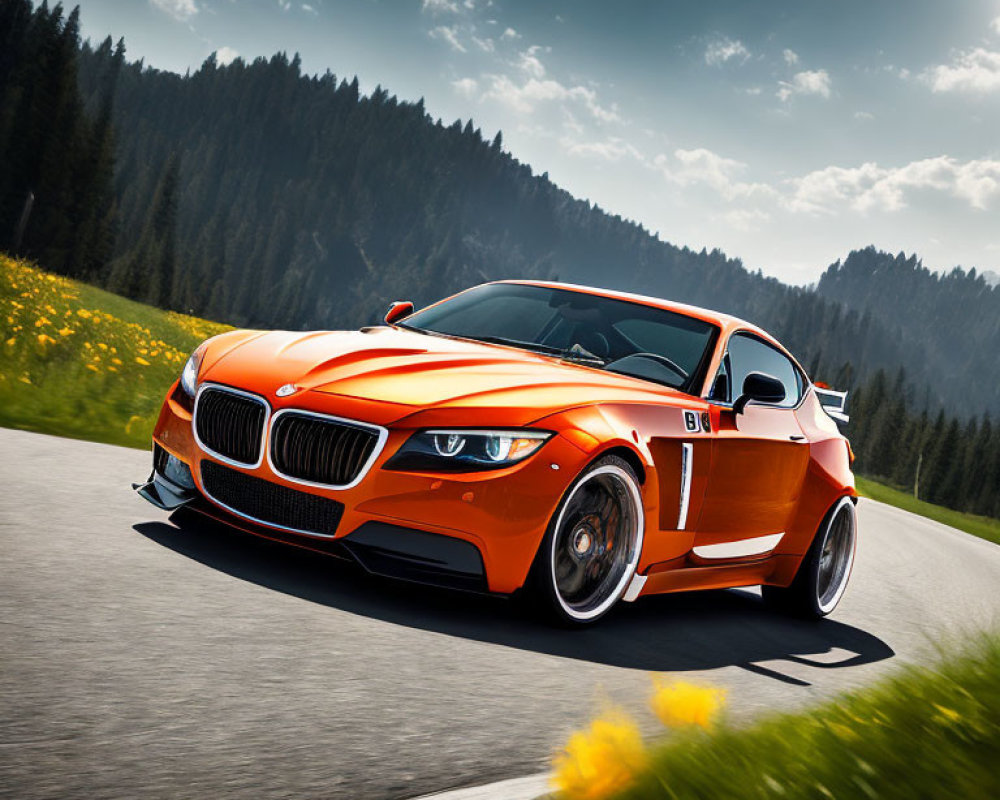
[784, 133]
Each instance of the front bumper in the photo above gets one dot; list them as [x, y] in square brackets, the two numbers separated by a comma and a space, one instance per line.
[472, 530]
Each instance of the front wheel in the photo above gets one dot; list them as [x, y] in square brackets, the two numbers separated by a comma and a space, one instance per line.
[824, 572]
[591, 549]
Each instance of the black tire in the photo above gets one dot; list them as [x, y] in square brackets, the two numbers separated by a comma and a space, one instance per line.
[825, 570]
[578, 574]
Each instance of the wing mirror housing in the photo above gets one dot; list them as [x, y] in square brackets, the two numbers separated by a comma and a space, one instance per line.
[760, 387]
[397, 311]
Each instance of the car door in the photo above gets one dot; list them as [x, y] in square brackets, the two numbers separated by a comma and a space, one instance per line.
[759, 457]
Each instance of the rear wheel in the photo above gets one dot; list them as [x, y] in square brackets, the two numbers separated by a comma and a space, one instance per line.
[824, 572]
[592, 546]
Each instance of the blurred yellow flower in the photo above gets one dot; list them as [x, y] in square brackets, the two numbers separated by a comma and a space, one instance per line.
[66, 331]
[84, 313]
[93, 367]
[601, 760]
[117, 361]
[102, 345]
[44, 338]
[142, 361]
[681, 704]
[42, 321]
[12, 341]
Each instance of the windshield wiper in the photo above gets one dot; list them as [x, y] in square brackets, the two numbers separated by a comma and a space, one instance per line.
[546, 349]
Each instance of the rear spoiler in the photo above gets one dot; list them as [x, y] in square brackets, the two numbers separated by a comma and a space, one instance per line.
[834, 403]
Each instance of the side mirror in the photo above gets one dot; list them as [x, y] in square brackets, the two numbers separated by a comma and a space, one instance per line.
[397, 311]
[760, 387]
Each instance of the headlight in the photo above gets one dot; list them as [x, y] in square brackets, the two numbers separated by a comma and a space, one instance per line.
[461, 450]
[189, 376]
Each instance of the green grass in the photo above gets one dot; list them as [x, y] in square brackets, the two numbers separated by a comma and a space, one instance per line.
[984, 527]
[933, 734]
[81, 362]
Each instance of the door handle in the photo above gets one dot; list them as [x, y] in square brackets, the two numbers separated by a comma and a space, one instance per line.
[796, 438]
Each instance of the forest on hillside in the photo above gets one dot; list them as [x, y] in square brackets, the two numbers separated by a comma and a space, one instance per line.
[257, 195]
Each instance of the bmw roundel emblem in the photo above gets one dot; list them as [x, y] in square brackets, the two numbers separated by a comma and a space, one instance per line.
[287, 389]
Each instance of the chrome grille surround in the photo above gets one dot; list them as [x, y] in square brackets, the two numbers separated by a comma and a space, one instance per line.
[218, 387]
[379, 433]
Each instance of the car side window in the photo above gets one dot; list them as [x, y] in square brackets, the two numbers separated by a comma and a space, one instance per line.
[748, 354]
[720, 386]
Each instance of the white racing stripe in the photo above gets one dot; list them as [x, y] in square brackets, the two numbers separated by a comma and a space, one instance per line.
[528, 788]
[742, 548]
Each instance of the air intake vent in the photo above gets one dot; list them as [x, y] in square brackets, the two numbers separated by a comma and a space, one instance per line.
[319, 449]
[270, 503]
[230, 424]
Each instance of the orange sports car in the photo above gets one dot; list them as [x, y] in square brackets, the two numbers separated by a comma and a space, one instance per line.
[583, 445]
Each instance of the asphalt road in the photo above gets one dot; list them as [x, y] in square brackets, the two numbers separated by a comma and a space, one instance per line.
[143, 656]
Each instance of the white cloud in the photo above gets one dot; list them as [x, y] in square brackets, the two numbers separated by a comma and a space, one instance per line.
[977, 70]
[722, 50]
[611, 149]
[702, 166]
[871, 187]
[815, 82]
[309, 9]
[746, 220]
[996, 25]
[486, 45]
[525, 97]
[449, 35]
[529, 62]
[467, 87]
[225, 55]
[791, 57]
[510, 33]
[440, 6]
[178, 9]
[863, 115]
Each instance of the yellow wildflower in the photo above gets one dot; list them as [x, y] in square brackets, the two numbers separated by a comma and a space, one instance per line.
[93, 367]
[25, 379]
[142, 361]
[84, 313]
[12, 341]
[66, 331]
[117, 361]
[44, 338]
[42, 321]
[601, 760]
[948, 714]
[681, 704]
[102, 345]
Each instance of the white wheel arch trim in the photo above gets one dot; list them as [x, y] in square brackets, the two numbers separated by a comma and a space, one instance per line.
[629, 572]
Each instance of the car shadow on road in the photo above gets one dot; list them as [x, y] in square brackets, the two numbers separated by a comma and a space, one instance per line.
[675, 632]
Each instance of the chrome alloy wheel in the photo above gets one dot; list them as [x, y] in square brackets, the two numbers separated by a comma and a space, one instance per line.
[596, 542]
[836, 556]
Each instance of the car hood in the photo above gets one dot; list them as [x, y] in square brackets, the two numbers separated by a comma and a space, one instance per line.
[397, 373]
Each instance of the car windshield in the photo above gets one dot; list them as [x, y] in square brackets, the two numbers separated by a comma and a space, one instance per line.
[616, 335]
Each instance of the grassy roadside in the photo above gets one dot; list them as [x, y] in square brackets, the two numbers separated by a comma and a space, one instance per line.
[81, 362]
[925, 733]
[983, 527]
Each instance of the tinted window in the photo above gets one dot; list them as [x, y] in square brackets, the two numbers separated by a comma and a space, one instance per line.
[618, 335]
[748, 354]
